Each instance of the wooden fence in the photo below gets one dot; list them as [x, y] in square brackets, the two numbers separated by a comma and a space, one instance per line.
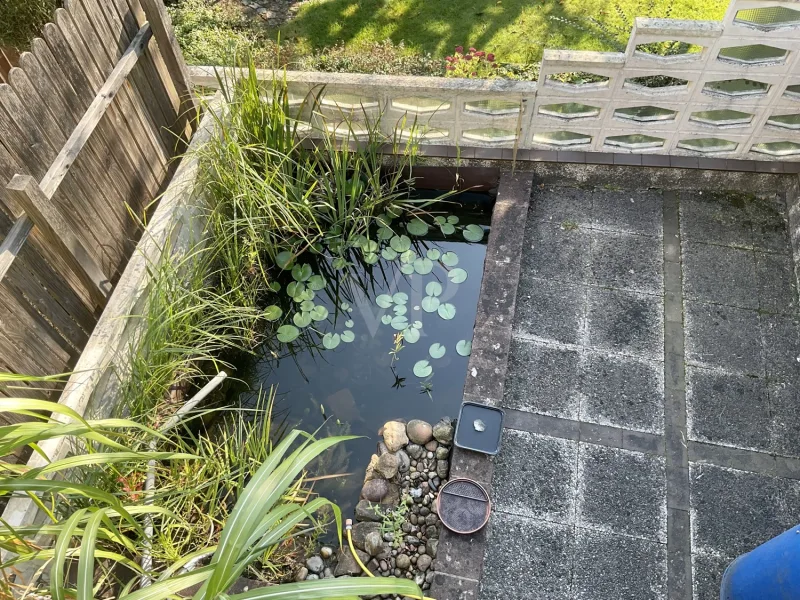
[90, 122]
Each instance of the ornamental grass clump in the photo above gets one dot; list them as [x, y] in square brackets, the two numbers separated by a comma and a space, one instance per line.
[472, 64]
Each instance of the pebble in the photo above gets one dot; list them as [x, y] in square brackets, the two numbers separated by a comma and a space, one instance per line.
[388, 465]
[442, 452]
[424, 562]
[419, 579]
[421, 549]
[327, 573]
[373, 543]
[431, 519]
[403, 562]
[429, 576]
[404, 461]
[375, 489]
[442, 468]
[430, 454]
[413, 519]
[315, 564]
[424, 511]
[433, 548]
[384, 566]
[419, 432]
[415, 452]
[326, 552]
[301, 574]
[432, 446]
[443, 431]
[312, 577]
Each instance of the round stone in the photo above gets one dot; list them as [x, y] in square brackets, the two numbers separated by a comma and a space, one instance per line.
[424, 562]
[403, 562]
[315, 564]
[404, 462]
[326, 552]
[432, 446]
[442, 452]
[301, 574]
[443, 431]
[375, 490]
[419, 432]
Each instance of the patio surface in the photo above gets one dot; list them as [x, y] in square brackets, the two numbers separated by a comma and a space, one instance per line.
[651, 397]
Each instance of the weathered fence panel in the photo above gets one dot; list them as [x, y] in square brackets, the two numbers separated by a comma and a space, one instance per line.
[90, 120]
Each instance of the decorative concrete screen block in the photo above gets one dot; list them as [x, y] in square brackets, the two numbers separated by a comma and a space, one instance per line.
[345, 130]
[561, 138]
[793, 92]
[421, 105]
[578, 80]
[768, 18]
[708, 145]
[645, 114]
[489, 135]
[656, 84]
[722, 118]
[777, 148]
[791, 121]
[424, 134]
[349, 102]
[736, 87]
[569, 110]
[495, 108]
[754, 54]
[635, 141]
[673, 51]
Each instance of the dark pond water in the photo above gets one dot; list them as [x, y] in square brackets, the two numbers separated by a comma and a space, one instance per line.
[357, 386]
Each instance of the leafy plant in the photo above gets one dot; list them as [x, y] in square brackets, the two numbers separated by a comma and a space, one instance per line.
[471, 64]
[393, 518]
[22, 20]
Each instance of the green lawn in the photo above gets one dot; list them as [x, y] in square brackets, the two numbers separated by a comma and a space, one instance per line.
[515, 30]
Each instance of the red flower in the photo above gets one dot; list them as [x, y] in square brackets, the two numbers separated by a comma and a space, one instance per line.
[459, 49]
[474, 73]
[468, 57]
[450, 68]
[471, 49]
[480, 53]
[494, 65]
[490, 57]
[448, 58]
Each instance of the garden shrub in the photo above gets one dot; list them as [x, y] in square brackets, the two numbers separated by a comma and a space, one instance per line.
[21, 20]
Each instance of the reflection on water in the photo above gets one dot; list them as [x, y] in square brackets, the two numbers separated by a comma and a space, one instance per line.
[360, 385]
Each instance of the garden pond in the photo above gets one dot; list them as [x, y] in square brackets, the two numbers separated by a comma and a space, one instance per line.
[387, 337]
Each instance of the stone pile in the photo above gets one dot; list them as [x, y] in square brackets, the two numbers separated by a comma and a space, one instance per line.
[397, 529]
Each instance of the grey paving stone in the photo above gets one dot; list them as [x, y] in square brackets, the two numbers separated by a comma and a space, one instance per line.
[561, 204]
[781, 349]
[556, 252]
[454, 588]
[728, 409]
[534, 476]
[527, 559]
[638, 211]
[625, 321]
[777, 289]
[723, 336]
[735, 511]
[623, 392]
[622, 260]
[784, 401]
[716, 218]
[720, 274]
[541, 379]
[614, 567]
[770, 227]
[622, 492]
[550, 310]
[707, 570]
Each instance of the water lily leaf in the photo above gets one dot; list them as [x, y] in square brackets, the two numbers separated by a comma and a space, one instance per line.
[306, 305]
[447, 311]
[417, 227]
[384, 301]
[394, 211]
[370, 258]
[439, 220]
[316, 282]
[386, 319]
[437, 350]
[400, 310]
[400, 297]
[358, 241]
[417, 324]
[319, 313]
[301, 272]
[344, 305]
[370, 246]
[423, 369]
[457, 275]
[411, 335]
[316, 248]
[399, 323]
[349, 323]
[473, 233]
[331, 340]
[448, 229]
[275, 286]
[302, 319]
[287, 333]
[306, 294]
[284, 260]
[348, 336]
[450, 259]
[273, 313]
[423, 266]
[433, 253]
[400, 243]
[384, 233]
[295, 289]
[430, 304]
[408, 257]
[339, 263]
[452, 219]
[407, 269]
[389, 253]
[383, 220]
[434, 288]
[464, 347]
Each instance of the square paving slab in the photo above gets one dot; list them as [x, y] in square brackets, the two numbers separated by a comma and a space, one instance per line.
[652, 393]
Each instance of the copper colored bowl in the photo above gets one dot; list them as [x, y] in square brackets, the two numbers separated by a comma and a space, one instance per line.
[463, 506]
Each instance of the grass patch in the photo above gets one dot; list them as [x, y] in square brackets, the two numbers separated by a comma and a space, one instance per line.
[21, 21]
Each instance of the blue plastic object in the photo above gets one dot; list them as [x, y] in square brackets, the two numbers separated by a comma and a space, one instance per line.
[769, 572]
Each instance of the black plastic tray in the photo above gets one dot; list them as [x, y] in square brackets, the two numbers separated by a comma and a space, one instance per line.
[486, 441]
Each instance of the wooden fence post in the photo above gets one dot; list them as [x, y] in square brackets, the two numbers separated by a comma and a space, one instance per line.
[159, 20]
[51, 223]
